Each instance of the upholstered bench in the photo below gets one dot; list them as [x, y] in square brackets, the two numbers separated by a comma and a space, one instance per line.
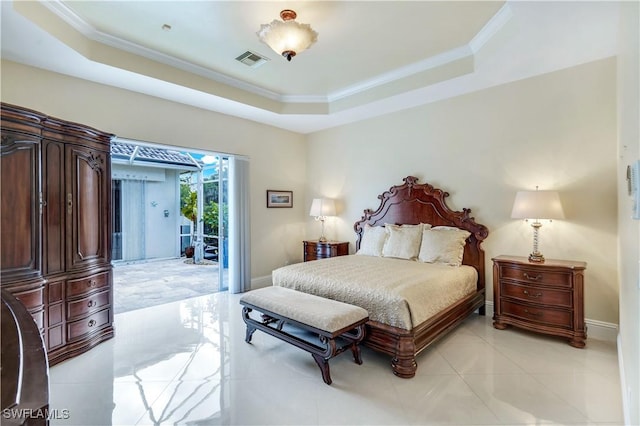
[338, 326]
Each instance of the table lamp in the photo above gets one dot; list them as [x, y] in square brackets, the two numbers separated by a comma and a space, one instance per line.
[320, 209]
[537, 205]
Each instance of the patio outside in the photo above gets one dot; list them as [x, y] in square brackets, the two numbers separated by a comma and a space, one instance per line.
[168, 205]
[144, 284]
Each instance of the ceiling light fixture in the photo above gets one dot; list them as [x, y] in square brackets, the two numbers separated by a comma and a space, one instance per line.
[287, 37]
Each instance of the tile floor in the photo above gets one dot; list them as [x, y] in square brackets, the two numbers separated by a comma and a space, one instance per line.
[187, 363]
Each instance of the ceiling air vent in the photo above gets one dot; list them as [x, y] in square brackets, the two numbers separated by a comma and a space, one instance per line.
[252, 59]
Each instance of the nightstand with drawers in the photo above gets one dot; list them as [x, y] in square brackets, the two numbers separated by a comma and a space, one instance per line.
[314, 250]
[543, 297]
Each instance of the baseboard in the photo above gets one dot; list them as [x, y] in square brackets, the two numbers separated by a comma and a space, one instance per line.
[598, 330]
[488, 308]
[623, 385]
[259, 282]
[601, 330]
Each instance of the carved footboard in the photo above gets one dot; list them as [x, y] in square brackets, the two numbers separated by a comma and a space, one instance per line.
[404, 345]
[398, 343]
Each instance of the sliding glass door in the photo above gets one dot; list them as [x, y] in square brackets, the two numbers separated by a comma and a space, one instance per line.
[216, 214]
[209, 235]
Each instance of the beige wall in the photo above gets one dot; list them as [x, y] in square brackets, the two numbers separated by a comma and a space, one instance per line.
[557, 131]
[277, 156]
[629, 229]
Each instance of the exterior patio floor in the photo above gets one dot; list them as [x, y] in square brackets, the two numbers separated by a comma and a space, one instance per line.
[144, 284]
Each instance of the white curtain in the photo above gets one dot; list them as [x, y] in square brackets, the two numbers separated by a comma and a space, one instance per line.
[133, 214]
[239, 226]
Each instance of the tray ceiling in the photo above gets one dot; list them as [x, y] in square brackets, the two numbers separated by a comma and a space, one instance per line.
[371, 58]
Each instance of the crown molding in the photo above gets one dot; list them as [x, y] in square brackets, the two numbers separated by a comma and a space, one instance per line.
[403, 72]
[493, 26]
[86, 29]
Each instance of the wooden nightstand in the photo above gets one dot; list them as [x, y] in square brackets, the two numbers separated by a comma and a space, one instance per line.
[544, 297]
[314, 250]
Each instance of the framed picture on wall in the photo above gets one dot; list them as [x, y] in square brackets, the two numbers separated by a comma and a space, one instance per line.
[279, 198]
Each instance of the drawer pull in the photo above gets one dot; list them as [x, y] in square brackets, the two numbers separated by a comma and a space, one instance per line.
[533, 314]
[533, 296]
[91, 283]
[536, 278]
[91, 303]
[91, 323]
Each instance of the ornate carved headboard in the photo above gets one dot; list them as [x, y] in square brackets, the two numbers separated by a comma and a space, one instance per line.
[414, 203]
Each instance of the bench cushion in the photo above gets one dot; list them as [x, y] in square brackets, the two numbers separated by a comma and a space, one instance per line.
[315, 311]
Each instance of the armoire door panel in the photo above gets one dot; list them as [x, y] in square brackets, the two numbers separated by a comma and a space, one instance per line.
[20, 207]
[53, 218]
[87, 206]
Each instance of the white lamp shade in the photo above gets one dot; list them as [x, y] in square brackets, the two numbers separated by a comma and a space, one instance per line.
[537, 205]
[322, 207]
[287, 36]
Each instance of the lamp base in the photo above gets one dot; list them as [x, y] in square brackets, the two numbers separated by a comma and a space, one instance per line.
[536, 257]
[322, 239]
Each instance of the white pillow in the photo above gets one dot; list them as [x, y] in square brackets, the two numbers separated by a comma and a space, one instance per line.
[443, 244]
[373, 238]
[403, 242]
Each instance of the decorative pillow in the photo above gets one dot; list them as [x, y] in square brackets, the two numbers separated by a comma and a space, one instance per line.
[403, 242]
[373, 238]
[443, 244]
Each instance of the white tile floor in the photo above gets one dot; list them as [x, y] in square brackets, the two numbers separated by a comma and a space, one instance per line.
[187, 363]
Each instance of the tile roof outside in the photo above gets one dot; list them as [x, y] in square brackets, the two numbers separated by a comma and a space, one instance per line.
[151, 154]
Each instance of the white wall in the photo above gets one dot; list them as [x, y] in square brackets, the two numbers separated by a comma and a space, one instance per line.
[557, 131]
[629, 229]
[277, 157]
[161, 232]
[160, 193]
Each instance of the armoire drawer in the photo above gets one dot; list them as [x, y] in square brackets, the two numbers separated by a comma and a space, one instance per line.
[80, 328]
[32, 299]
[82, 286]
[81, 307]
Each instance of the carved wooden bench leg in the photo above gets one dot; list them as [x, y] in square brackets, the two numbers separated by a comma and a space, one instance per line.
[324, 367]
[357, 357]
[356, 336]
[250, 328]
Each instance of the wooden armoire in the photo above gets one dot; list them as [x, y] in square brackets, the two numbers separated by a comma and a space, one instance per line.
[56, 228]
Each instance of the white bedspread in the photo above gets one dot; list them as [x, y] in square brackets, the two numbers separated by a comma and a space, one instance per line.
[400, 293]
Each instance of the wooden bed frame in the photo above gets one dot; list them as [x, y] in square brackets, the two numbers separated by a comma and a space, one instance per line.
[413, 203]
